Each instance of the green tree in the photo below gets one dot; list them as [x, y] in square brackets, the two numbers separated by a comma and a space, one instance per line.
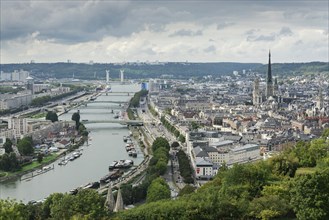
[8, 146]
[76, 118]
[160, 142]
[267, 207]
[325, 133]
[161, 166]
[87, 203]
[10, 209]
[310, 195]
[174, 144]
[52, 116]
[40, 158]
[181, 138]
[25, 146]
[188, 189]
[5, 162]
[82, 130]
[158, 190]
[194, 125]
[14, 164]
[285, 164]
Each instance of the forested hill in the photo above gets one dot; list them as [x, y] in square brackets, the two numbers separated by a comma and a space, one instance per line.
[296, 68]
[143, 70]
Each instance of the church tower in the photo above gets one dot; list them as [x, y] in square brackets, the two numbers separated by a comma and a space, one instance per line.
[269, 81]
[255, 93]
[276, 87]
[319, 101]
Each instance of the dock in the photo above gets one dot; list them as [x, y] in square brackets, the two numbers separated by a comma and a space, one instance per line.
[37, 173]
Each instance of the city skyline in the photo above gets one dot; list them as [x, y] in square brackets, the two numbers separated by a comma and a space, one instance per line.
[130, 31]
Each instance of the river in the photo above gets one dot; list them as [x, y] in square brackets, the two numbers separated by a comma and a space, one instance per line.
[105, 146]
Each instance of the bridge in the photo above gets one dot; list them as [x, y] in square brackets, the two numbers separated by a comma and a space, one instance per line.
[108, 93]
[115, 102]
[114, 107]
[119, 121]
[123, 122]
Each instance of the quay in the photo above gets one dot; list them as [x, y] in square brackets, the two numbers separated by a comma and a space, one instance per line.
[37, 173]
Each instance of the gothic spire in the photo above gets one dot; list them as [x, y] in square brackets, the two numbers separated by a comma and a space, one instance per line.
[269, 83]
[109, 202]
[119, 204]
[269, 71]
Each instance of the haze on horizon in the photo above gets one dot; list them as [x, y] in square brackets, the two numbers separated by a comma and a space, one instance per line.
[178, 31]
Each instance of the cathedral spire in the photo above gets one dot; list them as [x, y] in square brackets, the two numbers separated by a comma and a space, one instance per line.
[269, 81]
[269, 70]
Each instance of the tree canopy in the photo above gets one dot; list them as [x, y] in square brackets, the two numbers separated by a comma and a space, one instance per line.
[76, 117]
[25, 146]
[52, 116]
[158, 190]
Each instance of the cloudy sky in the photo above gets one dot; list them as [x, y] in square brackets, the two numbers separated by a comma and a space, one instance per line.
[194, 31]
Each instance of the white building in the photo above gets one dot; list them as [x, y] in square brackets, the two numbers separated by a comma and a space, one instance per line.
[5, 76]
[14, 101]
[245, 153]
[19, 76]
[207, 159]
[19, 125]
[204, 168]
[2, 141]
[8, 133]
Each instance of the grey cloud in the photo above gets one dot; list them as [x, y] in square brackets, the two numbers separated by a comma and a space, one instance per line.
[299, 42]
[79, 21]
[270, 37]
[253, 36]
[210, 49]
[224, 25]
[184, 32]
[285, 31]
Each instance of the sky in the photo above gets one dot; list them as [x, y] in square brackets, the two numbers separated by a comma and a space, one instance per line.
[164, 31]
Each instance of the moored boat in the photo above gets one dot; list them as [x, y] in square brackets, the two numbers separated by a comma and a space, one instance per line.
[112, 165]
[116, 173]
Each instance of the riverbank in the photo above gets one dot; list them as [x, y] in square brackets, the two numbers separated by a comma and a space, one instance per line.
[106, 146]
[34, 166]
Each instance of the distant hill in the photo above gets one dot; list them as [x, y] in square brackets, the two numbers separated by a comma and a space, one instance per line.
[144, 70]
[296, 68]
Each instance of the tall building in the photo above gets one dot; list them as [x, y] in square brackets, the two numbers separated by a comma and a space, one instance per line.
[319, 101]
[30, 84]
[19, 125]
[269, 81]
[122, 76]
[276, 87]
[107, 76]
[256, 97]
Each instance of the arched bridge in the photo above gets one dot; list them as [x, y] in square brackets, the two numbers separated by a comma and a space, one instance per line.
[116, 102]
[123, 122]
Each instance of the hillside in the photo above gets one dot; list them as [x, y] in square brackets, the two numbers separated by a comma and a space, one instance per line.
[143, 70]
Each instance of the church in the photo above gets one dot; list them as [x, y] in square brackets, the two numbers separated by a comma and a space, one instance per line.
[271, 95]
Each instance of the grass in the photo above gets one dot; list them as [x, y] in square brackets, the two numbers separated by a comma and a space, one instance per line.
[39, 115]
[3, 174]
[305, 170]
[35, 164]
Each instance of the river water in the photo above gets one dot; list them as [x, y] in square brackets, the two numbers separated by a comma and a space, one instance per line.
[105, 146]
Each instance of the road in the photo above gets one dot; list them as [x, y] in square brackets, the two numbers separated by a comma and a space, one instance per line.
[154, 128]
